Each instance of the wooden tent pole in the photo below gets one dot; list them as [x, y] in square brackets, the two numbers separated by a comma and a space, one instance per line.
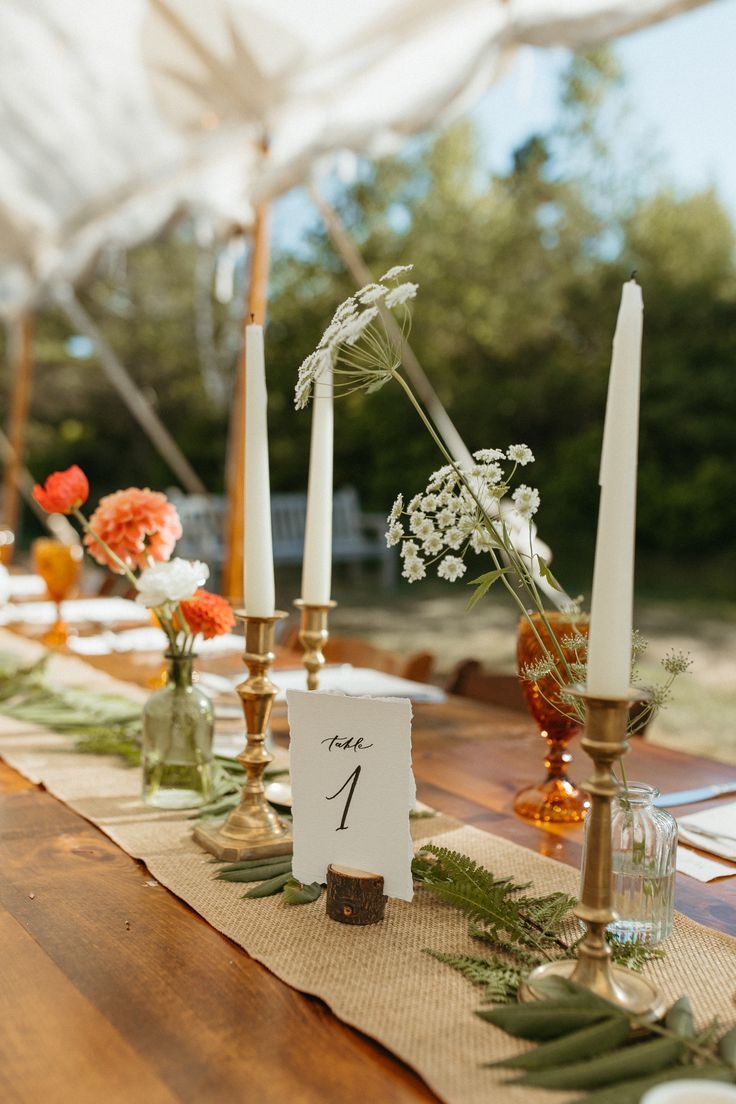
[358, 269]
[255, 306]
[130, 393]
[24, 480]
[21, 367]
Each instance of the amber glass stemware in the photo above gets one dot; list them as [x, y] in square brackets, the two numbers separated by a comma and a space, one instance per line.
[59, 566]
[557, 800]
[7, 544]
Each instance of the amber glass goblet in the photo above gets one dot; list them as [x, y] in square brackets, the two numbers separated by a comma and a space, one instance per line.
[59, 566]
[7, 544]
[557, 800]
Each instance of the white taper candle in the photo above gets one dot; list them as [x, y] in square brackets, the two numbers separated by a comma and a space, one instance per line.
[258, 583]
[317, 565]
[611, 607]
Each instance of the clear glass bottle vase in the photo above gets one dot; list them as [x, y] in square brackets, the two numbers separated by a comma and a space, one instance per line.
[178, 727]
[644, 845]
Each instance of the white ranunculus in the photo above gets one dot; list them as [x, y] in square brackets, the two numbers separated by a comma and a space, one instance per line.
[170, 582]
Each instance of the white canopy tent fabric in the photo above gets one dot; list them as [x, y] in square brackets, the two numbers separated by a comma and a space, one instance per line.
[118, 114]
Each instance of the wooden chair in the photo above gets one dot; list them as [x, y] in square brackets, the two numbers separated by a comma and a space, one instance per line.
[360, 653]
[469, 680]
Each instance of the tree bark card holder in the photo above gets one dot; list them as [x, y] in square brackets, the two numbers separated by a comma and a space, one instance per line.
[352, 792]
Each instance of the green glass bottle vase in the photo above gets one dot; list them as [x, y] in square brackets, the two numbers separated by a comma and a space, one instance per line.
[178, 726]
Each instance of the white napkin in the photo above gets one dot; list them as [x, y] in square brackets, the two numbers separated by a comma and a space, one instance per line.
[357, 681]
[719, 823]
[697, 866]
[25, 586]
[104, 610]
[149, 639]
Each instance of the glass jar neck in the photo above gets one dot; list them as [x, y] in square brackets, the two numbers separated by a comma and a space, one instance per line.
[180, 671]
[639, 794]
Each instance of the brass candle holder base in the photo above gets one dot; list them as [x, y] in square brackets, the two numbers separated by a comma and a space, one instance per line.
[253, 829]
[313, 635]
[605, 741]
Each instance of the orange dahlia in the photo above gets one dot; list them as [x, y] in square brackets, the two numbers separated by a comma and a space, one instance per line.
[63, 491]
[138, 524]
[208, 614]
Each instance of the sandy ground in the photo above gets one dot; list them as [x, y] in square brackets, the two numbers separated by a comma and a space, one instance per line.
[700, 718]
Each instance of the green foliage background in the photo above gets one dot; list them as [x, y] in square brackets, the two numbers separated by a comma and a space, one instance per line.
[520, 279]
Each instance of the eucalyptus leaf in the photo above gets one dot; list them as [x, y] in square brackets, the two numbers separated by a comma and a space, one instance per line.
[296, 893]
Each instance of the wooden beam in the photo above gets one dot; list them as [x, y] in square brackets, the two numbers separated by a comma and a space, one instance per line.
[130, 393]
[255, 308]
[21, 367]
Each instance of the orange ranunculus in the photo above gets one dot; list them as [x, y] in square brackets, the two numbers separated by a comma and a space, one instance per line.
[139, 525]
[208, 614]
[63, 491]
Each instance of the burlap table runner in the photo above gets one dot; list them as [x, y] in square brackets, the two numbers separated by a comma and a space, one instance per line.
[377, 978]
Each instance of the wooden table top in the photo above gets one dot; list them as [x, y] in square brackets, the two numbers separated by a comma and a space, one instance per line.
[112, 989]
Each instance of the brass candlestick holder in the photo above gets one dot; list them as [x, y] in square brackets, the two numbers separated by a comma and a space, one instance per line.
[253, 829]
[605, 741]
[313, 635]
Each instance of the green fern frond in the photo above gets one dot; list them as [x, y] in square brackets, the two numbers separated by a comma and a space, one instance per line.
[491, 902]
[500, 980]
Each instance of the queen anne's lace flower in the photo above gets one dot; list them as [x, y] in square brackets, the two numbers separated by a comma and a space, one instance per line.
[414, 569]
[424, 529]
[397, 509]
[394, 534]
[396, 271]
[451, 568]
[354, 326]
[520, 454]
[401, 294]
[409, 549]
[486, 456]
[526, 501]
[371, 293]
[433, 544]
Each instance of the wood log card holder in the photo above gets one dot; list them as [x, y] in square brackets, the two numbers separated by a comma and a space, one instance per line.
[354, 896]
[353, 791]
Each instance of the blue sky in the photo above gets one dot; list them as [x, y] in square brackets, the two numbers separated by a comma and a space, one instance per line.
[681, 81]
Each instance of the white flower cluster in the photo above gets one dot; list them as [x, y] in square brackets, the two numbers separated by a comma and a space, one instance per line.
[360, 354]
[455, 512]
[171, 582]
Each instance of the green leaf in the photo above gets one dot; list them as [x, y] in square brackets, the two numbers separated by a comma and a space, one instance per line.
[269, 888]
[296, 893]
[680, 1018]
[727, 1047]
[632, 1090]
[588, 1041]
[483, 584]
[546, 574]
[542, 1020]
[617, 1065]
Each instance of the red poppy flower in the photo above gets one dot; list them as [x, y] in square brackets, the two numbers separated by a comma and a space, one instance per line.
[63, 491]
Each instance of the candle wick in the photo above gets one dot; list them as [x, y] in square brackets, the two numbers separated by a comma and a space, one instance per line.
[631, 277]
[253, 317]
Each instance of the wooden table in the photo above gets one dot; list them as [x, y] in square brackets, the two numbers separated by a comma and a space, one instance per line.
[113, 990]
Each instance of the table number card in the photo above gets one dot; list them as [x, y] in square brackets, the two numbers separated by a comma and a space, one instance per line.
[352, 786]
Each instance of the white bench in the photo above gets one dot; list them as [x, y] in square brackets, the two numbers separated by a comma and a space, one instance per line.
[356, 537]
